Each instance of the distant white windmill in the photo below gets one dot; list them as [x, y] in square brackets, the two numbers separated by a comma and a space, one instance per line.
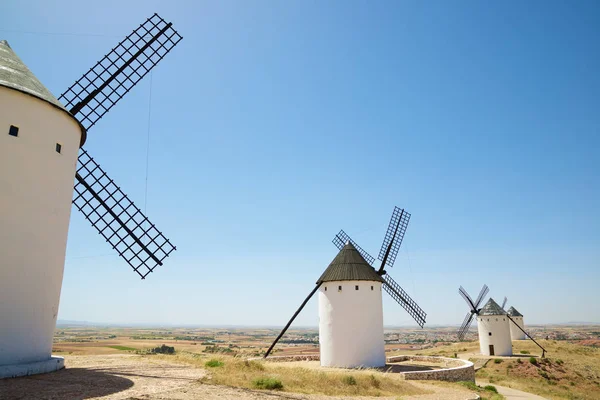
[517, 319]
[40, 140]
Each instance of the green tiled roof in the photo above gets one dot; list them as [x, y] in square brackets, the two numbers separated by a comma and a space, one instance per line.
[14, 74]
[514, 313]
[349, 265]
[492, 308]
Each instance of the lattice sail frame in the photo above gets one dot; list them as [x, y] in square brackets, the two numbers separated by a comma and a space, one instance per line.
[404, 300]
[118, 219]
[342, 238]
[474, 306]
[399, 219]
[99, 89]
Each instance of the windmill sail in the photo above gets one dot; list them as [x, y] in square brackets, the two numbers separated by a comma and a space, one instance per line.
[465, 325]
[394, 235]
[99, 89]
[404, 300]
[118, 219]
[342, 238]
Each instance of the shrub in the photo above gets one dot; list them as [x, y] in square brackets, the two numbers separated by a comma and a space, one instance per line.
[519, 361]
[164, 349]
[469, 385]
[376, 383]
[497, 361]
[267, 383]
[559, 361]
[533, 360]
[491, 388]
[349, 380]
[524, 352]
[214, 363]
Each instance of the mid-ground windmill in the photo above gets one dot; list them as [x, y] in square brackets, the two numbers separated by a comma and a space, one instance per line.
[40, 139]
[517, 328]
[492, 324]
[350, 303]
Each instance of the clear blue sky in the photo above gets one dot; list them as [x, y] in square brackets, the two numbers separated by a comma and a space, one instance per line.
[276, 123]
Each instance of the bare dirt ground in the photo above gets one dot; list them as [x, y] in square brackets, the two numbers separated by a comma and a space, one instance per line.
[134, 378]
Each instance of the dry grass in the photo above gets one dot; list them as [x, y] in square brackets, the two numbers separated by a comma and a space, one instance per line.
[237, 372]
[570, 371]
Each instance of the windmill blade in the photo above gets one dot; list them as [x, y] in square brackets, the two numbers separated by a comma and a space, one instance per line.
[467, 298]
[98, 90]
[393, 237]
[482, 294]
[504, 302]
[465, 325]
[404, 300]
[117, 219]
[342, 238]
[285, 328]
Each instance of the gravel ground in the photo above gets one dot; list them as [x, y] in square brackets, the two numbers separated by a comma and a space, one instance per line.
[132, 377]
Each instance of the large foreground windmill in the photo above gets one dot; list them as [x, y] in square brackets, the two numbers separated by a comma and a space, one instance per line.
[350, 303]
[40, 140]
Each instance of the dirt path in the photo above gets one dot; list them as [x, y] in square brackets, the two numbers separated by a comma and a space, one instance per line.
[513, 394]
[131, 377]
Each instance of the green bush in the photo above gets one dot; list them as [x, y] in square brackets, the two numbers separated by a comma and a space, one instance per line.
[490, 388]
[469, 385]
[214, 363]
[524, 352]
[349, 380]
[267, 383]
[519, 361]
[559, 361]
[497, 361]
[164, 349]
[533, 360]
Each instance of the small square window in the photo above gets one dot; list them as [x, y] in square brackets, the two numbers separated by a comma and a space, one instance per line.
[58, 147]
[356, 287]
[13, 131]
[339, 288]
[371, 287]
[490, 333]
[325, 288]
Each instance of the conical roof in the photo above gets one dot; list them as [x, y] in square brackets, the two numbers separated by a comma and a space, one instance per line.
[514, 313]
[14, 74]
[492, 308]
[349, 265]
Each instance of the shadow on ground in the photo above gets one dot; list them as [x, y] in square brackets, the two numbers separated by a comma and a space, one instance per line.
[72, 383]
[399, 368]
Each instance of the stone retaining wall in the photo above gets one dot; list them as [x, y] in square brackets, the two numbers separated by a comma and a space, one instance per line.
[451, 369]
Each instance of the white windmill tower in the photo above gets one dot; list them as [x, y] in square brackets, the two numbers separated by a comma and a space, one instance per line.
[492, 324]
[40, 139]
[350, 303]
[517, 319]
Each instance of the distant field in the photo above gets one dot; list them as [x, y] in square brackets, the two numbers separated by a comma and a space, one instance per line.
[571, 370]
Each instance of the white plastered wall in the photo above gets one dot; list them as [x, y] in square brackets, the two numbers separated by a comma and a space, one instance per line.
[36, 188]
[516, 333]
[497, 325]
[351, 324]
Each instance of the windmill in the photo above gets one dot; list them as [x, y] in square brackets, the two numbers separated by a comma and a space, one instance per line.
[473, 309]
[351, 324]
[517, 329]
[39, 161]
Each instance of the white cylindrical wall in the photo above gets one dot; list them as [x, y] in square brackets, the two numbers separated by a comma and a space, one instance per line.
[516, 333]
[494, 331]
[351, 324]
[36, 188]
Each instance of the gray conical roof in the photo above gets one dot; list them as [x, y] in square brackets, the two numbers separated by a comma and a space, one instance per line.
[14, 74]
[349, 265]
[492, 308]
[514, 313]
